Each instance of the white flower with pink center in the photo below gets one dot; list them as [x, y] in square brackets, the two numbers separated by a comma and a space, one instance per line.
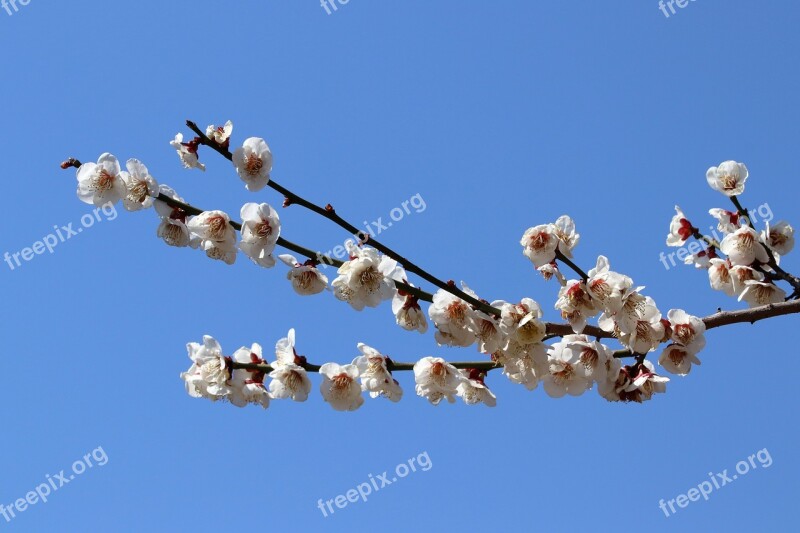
[305, 277]
[648, 330]
[743, 247]
[217, 236]
[568, 238]
[551, 270]
[140, 185]
[758, 293]
[187, 152]
[367, 278]
[727, 221]
[701, 259]
[261, 229]
[680, 229]
[436, 379]
[407, 311]
[473, 389]
[375, 376]
[677, 359]
[102, 182]
[454, 320]
[719, 275]
[728, 178]
[607, 287]
[780, 237]
[173, 229]
[220, 134]
[253, 162]
[687, 330]
[540, 243]
[741, 275]
[576, 304]
[566, 373]
[289, 377]
[248, 385]
[340, 387]
[634, 384]
[520, 322]
[209, 374]
[524, 365]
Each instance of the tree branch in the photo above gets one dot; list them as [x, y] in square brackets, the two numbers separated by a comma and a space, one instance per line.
[330, 213]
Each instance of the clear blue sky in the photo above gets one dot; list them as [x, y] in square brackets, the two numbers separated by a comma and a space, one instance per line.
[501, 115]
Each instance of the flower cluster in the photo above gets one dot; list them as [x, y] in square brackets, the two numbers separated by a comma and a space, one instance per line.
[745, 264]
[512, 335]
[240, 379]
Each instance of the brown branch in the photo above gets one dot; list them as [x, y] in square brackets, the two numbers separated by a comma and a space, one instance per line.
[390, 365]
[725, 318]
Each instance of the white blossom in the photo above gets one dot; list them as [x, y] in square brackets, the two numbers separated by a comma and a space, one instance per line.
[436, 379]
[680, 229]
[102, 182]
[687, 330]
[576, 304]
[289, 378]
[677, 359]
[253, 162]
[524, 365]
[607, 287]
[648, 330]
[454, 320]
[568, 238]
[220, 134]
[340, 386]
[208, 376]
[520, 322]
[248, 385]
[742, 274]
[407, 311]
[743, 247]
[758, 293]
[567, 374]
[473, 389]
[728, 178]
[634, 384]
[217, 236]
[261, 229]
[306, 278]
[701, 259]
[719, 275]
[780, 237]
[486, 327]
[367, 278]
[140, 185]
[187, 152]
[375, 376]
[540, 243]
[551, 270]
[727, 221]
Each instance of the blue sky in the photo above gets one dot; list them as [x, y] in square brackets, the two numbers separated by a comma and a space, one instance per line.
[501, 115]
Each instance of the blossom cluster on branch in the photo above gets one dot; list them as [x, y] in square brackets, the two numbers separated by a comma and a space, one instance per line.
[512, 336]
